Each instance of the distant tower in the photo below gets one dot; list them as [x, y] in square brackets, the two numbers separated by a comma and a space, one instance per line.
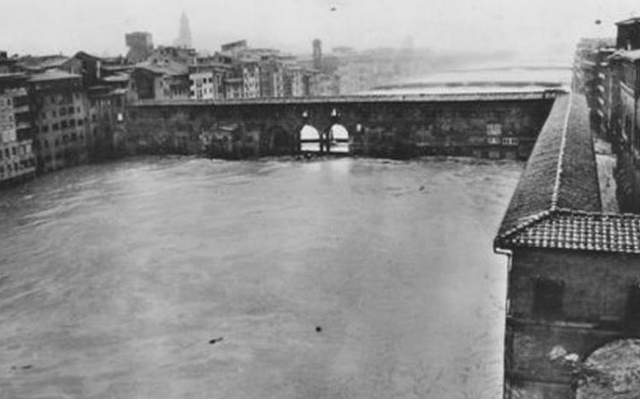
[140, 46]
[184, 34]
[317, 54]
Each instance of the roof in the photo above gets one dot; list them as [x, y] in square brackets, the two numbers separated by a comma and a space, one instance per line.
[86, 56]
[557, 203]
[43, 62]
[118, 77]
[629, 21]
[169, 68]
[587, 231]
[632, 55]
[53, 74]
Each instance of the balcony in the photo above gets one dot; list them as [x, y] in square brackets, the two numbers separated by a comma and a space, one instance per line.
[20, 109]
[23, 125]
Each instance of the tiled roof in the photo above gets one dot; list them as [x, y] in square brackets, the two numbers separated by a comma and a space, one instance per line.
[541, 186]
[169, 68]
[575, 230]
[557, 201]
[629, 21]
[53, 74]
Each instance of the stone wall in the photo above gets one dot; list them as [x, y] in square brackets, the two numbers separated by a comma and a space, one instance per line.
[385, 129]
[591, 315]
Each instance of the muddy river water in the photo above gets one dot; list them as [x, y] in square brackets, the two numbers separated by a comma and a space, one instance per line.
[192, 278]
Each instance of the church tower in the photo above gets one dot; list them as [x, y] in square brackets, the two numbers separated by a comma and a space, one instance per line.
[184, 34]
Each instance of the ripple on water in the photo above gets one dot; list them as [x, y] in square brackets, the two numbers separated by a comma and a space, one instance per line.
[114, 278]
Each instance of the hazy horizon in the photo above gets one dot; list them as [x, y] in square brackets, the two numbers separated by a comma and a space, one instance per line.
[523, 27]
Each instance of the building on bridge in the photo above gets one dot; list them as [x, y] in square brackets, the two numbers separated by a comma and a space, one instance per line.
[574, 272]
[165, 81]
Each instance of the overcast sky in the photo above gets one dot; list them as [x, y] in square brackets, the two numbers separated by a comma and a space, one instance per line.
[98, 26]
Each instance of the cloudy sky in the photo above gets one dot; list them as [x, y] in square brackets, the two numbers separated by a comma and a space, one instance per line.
[98, 26]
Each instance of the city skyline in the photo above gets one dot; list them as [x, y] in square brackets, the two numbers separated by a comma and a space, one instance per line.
[99, 26]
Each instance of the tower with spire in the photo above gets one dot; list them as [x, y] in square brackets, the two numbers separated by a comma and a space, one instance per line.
[184, 34]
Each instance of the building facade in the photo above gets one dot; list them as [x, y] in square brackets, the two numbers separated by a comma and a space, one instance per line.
[17, 161]
[61, 123]
[140, 46]
[250, 79]
[164, 81]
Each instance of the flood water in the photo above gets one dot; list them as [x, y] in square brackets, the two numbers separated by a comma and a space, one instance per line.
[343, 278]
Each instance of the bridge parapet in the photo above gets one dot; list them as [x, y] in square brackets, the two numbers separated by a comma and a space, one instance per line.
[524, 94]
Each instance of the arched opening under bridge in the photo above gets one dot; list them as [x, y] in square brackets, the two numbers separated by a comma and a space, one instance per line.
[338, 139]
[310, 139]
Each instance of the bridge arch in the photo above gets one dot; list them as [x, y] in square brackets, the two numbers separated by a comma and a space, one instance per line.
[338, 136]
[310, 139]
[278, 141]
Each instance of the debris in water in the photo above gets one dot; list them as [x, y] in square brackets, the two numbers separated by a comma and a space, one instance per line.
[216, 340]
[25, 367]
[318, 329]
[421, 188]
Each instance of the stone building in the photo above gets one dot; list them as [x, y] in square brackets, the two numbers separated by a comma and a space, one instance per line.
[272, 75]
[296, 82]
[106, 113]
[250, 78]
[60, 109]
[17, 162]
[140, 46]
[206, 79]
[233, 88]
[163, 81]
[573, 271]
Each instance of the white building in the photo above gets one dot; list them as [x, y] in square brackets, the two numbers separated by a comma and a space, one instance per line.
[202, 86]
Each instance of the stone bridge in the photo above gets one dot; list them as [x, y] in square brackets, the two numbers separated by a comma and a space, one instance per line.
[491, 124]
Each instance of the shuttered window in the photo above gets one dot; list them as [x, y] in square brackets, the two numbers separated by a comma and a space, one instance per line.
[547, 297]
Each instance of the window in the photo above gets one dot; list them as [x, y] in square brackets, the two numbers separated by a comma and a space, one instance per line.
[14, 151]
[547, 297]
[70, 110]
[64, 124]
[494, 129]
[633, 306]
[72, 123]
[63, 111]
[80, 122]
[55, 126]
[44, 128]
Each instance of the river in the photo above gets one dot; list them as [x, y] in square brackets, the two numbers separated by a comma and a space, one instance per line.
[191, 278]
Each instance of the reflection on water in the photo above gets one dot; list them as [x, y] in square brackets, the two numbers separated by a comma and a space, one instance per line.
[326, 279]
